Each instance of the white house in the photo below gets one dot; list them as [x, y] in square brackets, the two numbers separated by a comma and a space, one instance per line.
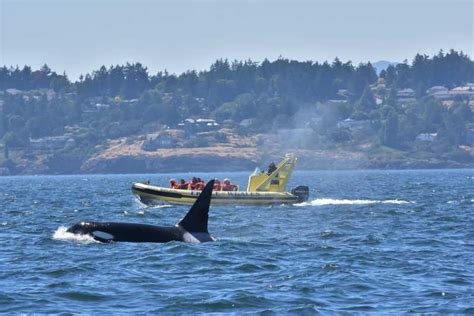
[426, 137]
[354, 125]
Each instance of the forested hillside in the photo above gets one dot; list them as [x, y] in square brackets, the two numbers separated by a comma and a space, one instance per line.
[338, 104]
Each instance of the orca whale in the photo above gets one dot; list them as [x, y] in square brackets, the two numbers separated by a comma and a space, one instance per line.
[192, 228]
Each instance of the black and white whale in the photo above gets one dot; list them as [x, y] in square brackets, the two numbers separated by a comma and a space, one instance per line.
[192, 228]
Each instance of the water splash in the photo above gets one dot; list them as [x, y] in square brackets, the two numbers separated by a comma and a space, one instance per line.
[325, 201]
[162, 206]
[62, 234]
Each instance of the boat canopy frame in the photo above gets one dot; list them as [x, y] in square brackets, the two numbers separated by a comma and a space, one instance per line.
[276, 181]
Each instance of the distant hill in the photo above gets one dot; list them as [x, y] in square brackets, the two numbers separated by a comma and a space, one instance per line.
[382, 65]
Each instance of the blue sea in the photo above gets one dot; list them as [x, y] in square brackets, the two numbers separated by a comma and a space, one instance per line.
[365, 241]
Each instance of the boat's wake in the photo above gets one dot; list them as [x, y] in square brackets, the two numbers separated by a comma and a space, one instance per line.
[62, 234]
[162, 206]
[322, 202]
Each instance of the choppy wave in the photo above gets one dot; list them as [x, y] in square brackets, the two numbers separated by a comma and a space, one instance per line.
[326, 201]
[162, 206]
[62, 234]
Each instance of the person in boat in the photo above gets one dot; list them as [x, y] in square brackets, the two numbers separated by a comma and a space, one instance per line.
[173, 184]
[200, 184]
[271, 167]
[183, 185]
[217, 185]
[193, 183]
[228, 186]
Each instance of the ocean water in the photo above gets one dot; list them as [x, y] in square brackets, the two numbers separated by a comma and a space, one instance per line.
[366, 241]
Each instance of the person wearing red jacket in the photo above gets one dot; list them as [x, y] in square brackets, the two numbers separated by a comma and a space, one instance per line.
[183, 185]
[200, 184]
[193, 184]
[217, 185]
[228, 186]
[173, 184]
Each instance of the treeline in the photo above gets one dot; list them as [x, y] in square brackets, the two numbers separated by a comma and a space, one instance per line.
[225, 80]
[449, 70]
[270, 92]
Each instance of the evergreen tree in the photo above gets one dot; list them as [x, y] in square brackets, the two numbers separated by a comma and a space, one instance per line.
[389, 131]
[366, 102]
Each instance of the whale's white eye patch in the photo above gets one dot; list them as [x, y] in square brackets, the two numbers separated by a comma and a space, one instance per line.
[102, 235]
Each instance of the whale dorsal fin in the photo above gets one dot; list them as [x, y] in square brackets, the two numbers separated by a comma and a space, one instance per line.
[196, 219]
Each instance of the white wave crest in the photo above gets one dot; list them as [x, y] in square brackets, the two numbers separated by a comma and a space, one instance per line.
[163, 206]
[146, 208]
[322, 202]
[62, 234]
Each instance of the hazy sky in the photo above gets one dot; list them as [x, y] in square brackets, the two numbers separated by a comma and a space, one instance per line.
[80, 36]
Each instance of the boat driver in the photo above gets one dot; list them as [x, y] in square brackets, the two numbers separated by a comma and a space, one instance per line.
[271, 167]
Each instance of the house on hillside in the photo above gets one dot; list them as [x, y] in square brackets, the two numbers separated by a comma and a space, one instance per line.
[129, 101]
[163, 139]
[158, 140]
[102, 106]
[343, 94]
[437, 89]
[354, 125]
[426, 137]
[247, 122]
[14, 91]
[405, 97]
[465, 92]
[442, 93]
[193, 126]
[406, 93]
[337, 101]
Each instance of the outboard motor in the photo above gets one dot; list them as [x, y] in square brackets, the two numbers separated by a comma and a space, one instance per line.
[302, 192]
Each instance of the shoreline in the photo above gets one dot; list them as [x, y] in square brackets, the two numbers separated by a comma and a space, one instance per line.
[128, 160]
[236, 171]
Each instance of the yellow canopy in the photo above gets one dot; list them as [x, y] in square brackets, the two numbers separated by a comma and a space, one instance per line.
[276, 181]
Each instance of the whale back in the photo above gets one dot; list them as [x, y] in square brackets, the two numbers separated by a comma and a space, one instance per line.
[197, 217]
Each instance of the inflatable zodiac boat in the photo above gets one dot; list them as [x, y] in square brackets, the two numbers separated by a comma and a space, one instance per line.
[263, 189]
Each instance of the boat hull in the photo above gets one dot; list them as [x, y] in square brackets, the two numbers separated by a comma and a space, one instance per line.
[154, 195]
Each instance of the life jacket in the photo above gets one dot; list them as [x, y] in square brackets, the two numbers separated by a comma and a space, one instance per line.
[200, 185]
[217, 187]
[229, 187]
